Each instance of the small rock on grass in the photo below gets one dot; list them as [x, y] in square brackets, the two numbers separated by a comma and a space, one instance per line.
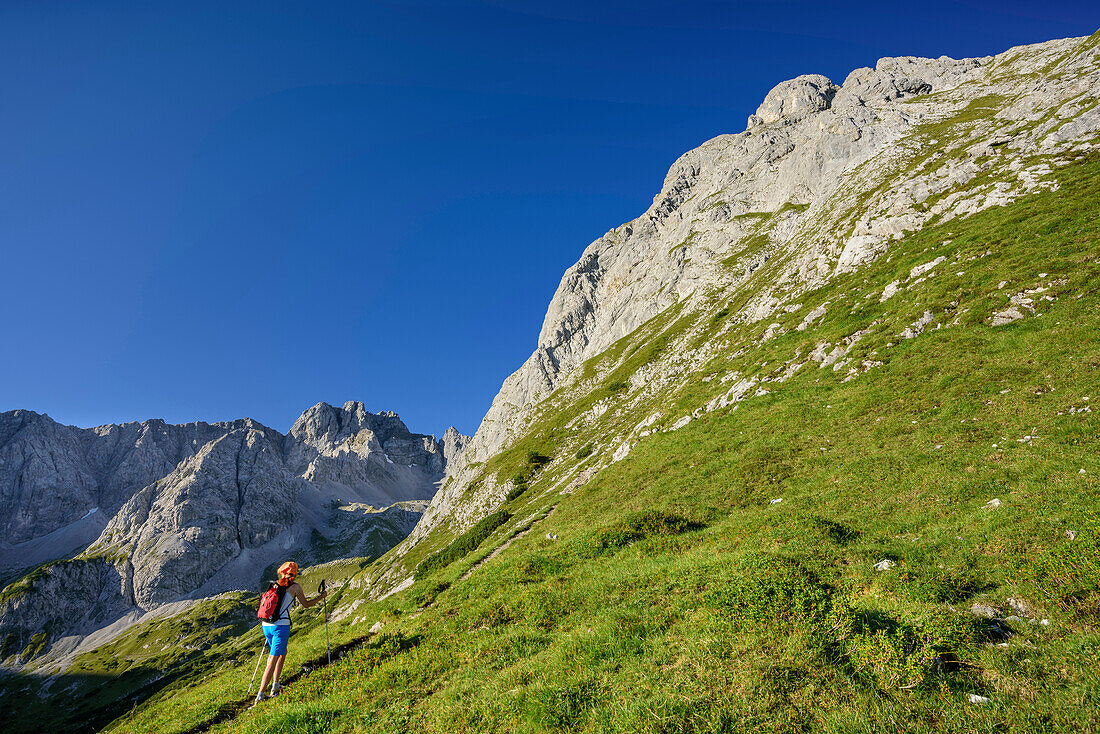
[985, 611]
[992, 504]
[776, 501]
[1007, 316]
[1018, 606]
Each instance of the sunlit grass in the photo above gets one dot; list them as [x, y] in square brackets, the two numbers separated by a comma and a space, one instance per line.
[673, 595]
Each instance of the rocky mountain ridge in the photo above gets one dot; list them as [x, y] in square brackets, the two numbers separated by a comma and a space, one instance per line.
[824, 178]
[160, 512]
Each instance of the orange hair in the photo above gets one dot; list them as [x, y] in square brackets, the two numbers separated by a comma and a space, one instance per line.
[287, 572]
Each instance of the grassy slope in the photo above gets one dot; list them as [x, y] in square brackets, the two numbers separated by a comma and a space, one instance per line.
[769, 617]
[153, 659]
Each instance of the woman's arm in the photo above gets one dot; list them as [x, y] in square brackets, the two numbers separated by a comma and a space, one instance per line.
[300, 595]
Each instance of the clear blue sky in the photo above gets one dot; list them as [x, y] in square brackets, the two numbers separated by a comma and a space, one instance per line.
[218, 210]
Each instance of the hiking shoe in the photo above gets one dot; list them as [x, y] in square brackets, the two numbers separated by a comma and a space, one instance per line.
[276, 689]
[261, 696]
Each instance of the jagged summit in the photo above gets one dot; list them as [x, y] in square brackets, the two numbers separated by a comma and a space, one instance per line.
[893, 78]
[52, 474]
[324, 420]
[453, 443]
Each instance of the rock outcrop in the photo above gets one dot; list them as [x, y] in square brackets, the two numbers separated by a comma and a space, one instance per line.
[372, 458]
[453, 444]
[45, 482]
[52, 475]
[802, 95]
[60, 484]
[170, 538]
[66, 599]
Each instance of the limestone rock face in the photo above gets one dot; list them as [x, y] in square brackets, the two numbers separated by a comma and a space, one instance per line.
[172, 537]
[905, 76]
[135, 454]
[44, 481]
[869, 86]
[802, 95]
[53, 477]
[453, 444]
[63, 483]
[820, 184]
[371, 458]
[68, 599]
[324, 426]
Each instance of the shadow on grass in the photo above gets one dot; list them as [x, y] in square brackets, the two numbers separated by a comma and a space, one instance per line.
[892, 654]
[837, 532]
[81, 704]
[86, 703]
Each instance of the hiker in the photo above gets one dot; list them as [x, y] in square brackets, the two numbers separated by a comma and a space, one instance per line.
[277, 631]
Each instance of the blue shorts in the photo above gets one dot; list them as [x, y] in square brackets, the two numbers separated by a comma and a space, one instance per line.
[277, 636]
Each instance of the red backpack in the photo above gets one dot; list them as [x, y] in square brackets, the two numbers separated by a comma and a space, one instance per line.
[270, 602]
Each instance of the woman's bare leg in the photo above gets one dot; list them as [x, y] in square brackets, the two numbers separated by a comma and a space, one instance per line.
[279, 668]
[274, 664]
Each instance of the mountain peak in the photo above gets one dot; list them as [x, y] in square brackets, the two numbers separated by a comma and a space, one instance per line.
[802, 95]
[326, 423]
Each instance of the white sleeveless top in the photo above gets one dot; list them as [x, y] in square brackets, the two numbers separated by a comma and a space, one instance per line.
[283, 617]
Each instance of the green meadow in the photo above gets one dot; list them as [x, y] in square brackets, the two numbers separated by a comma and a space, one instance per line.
[672, 592]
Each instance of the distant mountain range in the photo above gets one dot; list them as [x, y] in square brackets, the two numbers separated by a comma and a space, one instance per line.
[139, 515]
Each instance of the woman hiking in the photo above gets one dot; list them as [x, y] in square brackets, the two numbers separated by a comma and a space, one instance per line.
[277, 631]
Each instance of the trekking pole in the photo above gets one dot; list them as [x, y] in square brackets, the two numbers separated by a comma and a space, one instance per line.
[257, 668]
[328, 650]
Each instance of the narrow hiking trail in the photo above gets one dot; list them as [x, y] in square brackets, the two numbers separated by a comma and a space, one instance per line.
[233, 709]
[506, 544]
